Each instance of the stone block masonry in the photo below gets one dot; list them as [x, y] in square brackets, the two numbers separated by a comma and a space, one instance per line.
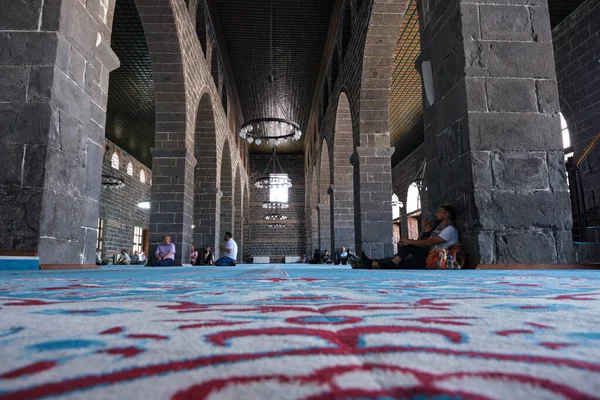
[277, 243]
[119, 206]
[53, 130]
[577, 53]
[493, 132]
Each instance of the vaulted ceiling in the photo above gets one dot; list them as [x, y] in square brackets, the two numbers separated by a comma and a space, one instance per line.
[299, 33]
[130, 109]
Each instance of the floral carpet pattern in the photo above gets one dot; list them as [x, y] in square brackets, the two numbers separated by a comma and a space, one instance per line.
[299, 332]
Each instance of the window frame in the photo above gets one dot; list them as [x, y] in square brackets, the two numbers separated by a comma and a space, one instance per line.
[115, 160]
[138, 239]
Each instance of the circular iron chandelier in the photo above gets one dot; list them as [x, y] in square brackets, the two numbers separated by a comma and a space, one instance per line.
[275, 205]
[277, 226]
[276, 217]
[271, 131]
[276, 178]
[109, 181]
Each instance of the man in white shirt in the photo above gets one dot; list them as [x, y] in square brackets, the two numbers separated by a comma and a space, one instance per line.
[230, 250]
[123, 258]
[442, 237]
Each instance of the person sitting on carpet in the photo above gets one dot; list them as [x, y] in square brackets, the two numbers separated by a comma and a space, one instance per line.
[142, 258]
[229, 250]
[316, 258]
[193, 255]
[98, 256]
[341, 257]
[206, 258]
[164, 256]
[326, 259]
[443, 237]
[123, 258]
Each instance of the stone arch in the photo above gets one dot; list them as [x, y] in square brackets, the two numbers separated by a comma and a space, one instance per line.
[214, 66]
[342, 187]
[172, 209]
[206, 194]
[201, 25]
[166, 52]
[314, 201]
[324, 174]
[238, 204]
[324, 206]
[378, 62]
[245, 216]
[224, 102]
[227, 190]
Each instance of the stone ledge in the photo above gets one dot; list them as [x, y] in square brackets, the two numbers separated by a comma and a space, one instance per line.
[535, 266]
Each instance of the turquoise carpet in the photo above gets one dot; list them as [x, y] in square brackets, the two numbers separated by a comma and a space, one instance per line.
[299, 332]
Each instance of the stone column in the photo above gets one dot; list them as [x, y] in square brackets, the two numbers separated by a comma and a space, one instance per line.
[315, 231]
[324, 227]
[53, 90]
[373, 201]
[227, 213]
[342, 213]
[172, 199]
[208, 214]
[494, 129]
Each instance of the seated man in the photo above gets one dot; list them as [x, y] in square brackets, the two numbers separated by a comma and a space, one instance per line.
[316, 258]
[98, 256]
[164, 256]
[123, 258]
[443, 237]
[326, 259]
[342, 256]
[135, 258]
[229, 250]
[142, 258]
[206, 258]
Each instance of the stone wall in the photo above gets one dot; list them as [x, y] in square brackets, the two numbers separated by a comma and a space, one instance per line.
[494, 130]
[55, 59]
[281, 242]
[577, 53]
[118, 206]
[402, 176]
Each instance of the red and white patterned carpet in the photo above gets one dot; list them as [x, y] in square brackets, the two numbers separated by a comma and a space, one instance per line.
[299, 332]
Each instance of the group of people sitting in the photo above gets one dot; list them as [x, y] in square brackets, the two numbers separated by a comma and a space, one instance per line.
[205, 258]
[165, 253]
[413, 253]
[341, 257]
[164, 256]
[122, 258]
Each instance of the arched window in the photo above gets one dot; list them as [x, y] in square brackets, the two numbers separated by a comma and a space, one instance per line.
[142, 176]
[395, 207]
[114, 160]
[130, 169]
[413, 199]
[566, 137]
